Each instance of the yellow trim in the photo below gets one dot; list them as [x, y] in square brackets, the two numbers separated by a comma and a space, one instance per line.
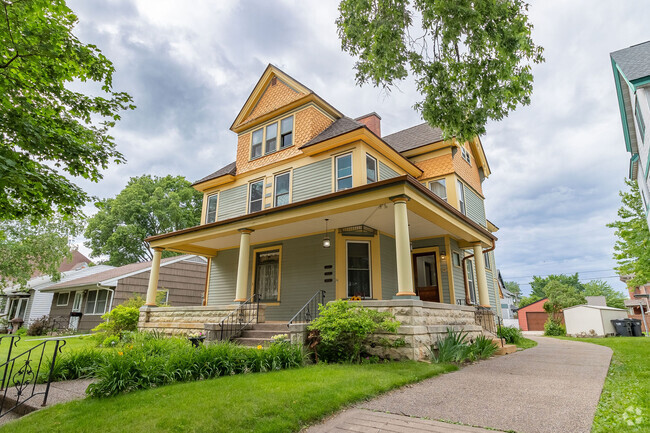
[375, 275]
[423, 150]
[436, 251]
[206, 293]
[259, 250]
[204, 207]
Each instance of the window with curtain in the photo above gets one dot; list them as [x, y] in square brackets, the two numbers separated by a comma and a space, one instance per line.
[439, 188]
[267, 275]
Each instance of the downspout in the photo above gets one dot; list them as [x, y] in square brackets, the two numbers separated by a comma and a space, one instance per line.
[468, 299]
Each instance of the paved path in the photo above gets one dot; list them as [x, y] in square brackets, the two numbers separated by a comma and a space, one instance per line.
[554, 387]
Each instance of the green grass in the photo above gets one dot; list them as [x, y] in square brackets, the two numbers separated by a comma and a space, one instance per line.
[282, 401]
[526, 343]
[625, 402]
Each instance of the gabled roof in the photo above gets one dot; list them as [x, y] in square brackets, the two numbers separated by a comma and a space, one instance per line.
[536, 302]
[634, 61]
[44, 281]
[230, 169]
[414, 137]
[339, 127]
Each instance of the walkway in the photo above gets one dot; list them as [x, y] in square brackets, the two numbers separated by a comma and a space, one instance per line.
[554, 387]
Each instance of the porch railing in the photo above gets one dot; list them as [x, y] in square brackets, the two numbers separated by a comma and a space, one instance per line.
[484, 317]
[21, 373]
[310, 310]
[244, 315]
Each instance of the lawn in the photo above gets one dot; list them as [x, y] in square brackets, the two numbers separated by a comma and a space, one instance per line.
[281, 401]
[625, 402]
[526, 343]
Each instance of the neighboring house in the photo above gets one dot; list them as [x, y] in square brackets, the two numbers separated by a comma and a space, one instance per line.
[82, 301]
[316, 200]
[509, 303]
[634, 303]
[592, 319]
[632, 78]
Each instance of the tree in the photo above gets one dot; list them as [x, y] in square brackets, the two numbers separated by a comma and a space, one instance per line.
[527, 300]
[561, 296]
[632, 248]
[147, 206]
[471, 59]
[614, 298]
[30, 246]
[46, 128]
[538, 285]
[513, 287]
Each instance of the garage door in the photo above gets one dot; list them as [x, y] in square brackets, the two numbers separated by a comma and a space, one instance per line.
[536, 321]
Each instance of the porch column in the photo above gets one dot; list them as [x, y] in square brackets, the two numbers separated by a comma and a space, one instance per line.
[483, 295]
[403, 248]
[153, 277]
[242, 266]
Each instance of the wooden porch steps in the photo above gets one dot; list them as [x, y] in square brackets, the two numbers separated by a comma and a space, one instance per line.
[261, 333]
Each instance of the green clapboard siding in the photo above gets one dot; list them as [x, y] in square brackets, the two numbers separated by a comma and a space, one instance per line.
[312, 180]
[232, 203]
[223, 277]
[440, 243]
[491, 290]
[385, 172]
[388, 267]
[474, 207]
[457, 274]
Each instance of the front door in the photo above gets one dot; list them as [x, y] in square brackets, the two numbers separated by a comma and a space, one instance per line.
[76, 308]
[426, 277]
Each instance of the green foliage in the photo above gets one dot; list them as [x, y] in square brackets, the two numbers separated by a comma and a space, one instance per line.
[29, 245]
[77, 364]
[46, 128]
[145, 207]
[513, 287]
[482, 348]
[111, 341]
[510, 335]
[554, 328]
[539, 284]
[21, 331]
[471, 59]
[632, 248]
[527, 300]
[344, 328]
[39, 326]
[614, 298]
[455, 348]
[561, 296]
[119, 320]
[137, 301]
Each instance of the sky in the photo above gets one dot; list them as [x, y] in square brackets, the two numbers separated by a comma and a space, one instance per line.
[557, 164]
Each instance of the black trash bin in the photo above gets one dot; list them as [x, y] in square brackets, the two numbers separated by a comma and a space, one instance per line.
[636, 327]
[622, 327]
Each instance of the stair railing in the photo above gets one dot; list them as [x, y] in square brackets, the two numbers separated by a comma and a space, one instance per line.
[484, 316]
[310, 310]
[235, 322]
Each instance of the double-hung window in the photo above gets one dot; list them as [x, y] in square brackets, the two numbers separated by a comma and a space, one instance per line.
[96, 302]
[265, 140]
[460, 189]
[286, 132]
[271, 138]
[371, 169]
[639, 118]
[358, 261]
[486, 257]
[470, 282]
[267, 275]
[211, 212]
[344, 172]
[255, 196]
[439, 188]
[465, 154]
[282, 189]
[256, 144]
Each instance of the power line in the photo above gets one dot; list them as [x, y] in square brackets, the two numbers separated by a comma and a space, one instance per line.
[547, 275]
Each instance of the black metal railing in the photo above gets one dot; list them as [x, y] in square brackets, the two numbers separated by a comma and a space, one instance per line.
[58, 323]
[484, 317]
[22, 373]
[244, 315]
[310, 310]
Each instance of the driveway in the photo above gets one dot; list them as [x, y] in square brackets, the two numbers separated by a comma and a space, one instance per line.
[553, 387]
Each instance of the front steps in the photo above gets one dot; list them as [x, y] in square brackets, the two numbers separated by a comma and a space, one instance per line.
[504, 349]
[261, 333]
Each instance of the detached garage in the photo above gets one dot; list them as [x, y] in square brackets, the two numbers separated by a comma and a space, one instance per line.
[532, 317]
[585, 318]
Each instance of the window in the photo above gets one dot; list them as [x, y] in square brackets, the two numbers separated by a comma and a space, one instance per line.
[286, 131]
[256, 145]
[271, 138]
[344, 172]
[76, 304]
[639, 119]
[486, 257]
[371, 169]
[281, 189]
[465, 154]
[62, 299]
[211, 214]
[358, 269]
[470, 281]
[163, 296]
[17, 308]
[256, 196]
[267, 275]
[455, 258]
[96, 302]
[460, 189]
[439, 188]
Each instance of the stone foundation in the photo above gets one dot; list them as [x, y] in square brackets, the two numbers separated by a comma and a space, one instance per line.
[180, 321]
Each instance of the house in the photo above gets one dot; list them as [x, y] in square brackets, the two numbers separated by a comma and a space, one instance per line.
[592, 319]
[638, 304]
[316, 200]
[509, 303]
[82, 301]
[631, 68]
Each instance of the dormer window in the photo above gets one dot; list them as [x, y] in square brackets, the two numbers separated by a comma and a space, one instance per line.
[286, 129]
[256, 146]
[265, 140]
[271, 137]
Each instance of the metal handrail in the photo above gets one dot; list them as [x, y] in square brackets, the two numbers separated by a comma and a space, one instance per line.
[310, 310]
[235, 322]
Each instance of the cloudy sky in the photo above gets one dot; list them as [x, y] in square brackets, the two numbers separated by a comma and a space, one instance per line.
[557, 165]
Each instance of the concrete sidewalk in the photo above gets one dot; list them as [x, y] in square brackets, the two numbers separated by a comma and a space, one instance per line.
[554, 387]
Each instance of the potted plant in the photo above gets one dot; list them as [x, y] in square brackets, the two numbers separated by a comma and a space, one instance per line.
[196, 338]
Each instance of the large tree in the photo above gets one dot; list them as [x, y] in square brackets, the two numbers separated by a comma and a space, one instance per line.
[471, 59]
[34, 246]
[513, 287]
[632, 248]
[539, 284]
[48, 130]
[613, 297]
[147, 206]
[561, 296]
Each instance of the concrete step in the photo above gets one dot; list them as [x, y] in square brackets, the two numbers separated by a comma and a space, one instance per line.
[277, 327]
[506, 349]
[260, 333]
[251, 342]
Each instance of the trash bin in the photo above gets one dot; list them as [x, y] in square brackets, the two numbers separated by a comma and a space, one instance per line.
[622, 327]
[636, 327]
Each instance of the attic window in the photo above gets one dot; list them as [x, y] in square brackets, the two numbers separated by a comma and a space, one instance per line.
[465, 154]
[286, 131]
[256, 145]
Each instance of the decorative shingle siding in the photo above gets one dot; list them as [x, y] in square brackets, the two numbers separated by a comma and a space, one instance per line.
[468, 172]
[312, 180]
[434, 167]
[277, 94]
[388, 267]
[474, 207]
[223, 277]
[385, 172]
[232, 203]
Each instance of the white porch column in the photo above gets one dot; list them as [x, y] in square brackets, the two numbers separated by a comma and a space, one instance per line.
[483, 295]
[153, 277]
[242, 266]
[403, 248]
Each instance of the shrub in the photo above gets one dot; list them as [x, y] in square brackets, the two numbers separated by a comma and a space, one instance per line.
[77, 364]
[510, 335]
[483, 347]
[344, 328]
[455, 348]
[554, 328]
[21, 331]
[119, 320]
[39, 326]
[111, 341]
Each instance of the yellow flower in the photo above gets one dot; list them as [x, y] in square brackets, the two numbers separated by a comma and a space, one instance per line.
[120, 353]
[259, 347]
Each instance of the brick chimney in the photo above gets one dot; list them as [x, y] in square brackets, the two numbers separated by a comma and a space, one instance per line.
[372, 121]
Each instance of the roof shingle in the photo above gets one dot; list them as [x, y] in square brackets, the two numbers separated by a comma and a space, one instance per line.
[339, 127]
[634, 61]
[413, 137]
[230, 169]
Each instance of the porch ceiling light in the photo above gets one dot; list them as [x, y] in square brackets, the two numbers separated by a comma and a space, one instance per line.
[326, 240]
